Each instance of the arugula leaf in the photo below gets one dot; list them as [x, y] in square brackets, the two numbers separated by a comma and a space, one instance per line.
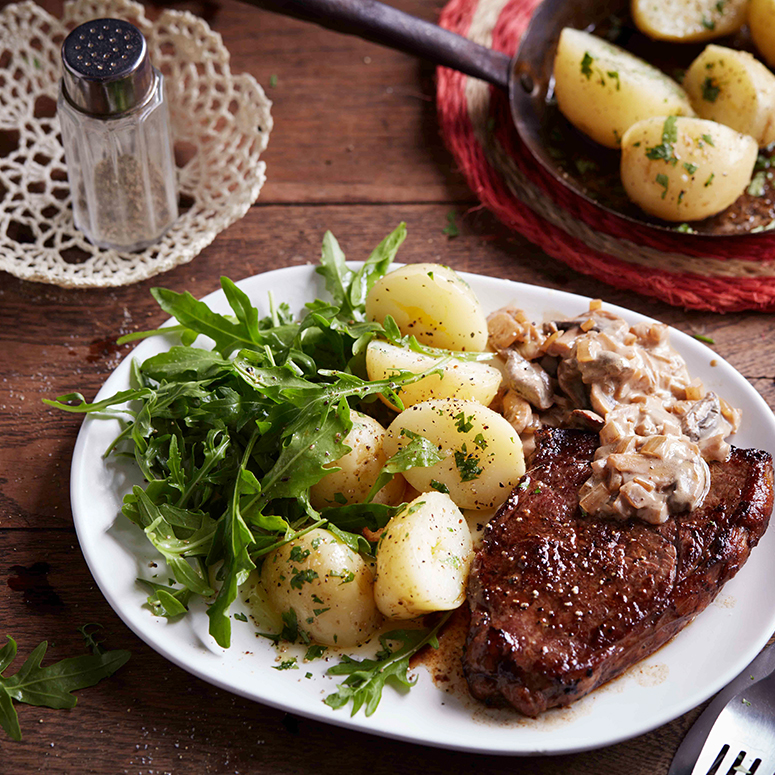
[50, 686]
[231, 544]
[168, 602]
[376, 266]
[418, 453]
[230, 440]
[356, 516]
[227, 334]
[161, 535]
[65, 402]
[367, 678]
[393, 335]
[184, 363]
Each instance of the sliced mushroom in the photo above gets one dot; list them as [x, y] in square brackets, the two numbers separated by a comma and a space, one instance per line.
[601, 399]
[702, 420]
[528, 380]
[585, 420]
[517, 411]
[569, 380]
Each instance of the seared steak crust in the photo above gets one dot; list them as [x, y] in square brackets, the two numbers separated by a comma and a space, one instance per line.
[562, 602]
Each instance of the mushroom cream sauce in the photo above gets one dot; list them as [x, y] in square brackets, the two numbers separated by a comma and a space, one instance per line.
[658, 427]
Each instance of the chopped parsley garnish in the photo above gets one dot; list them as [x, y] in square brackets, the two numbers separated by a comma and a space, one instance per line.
[710, 92]
[758, 184]
[615, 75]
[709, 140]
[240, 617]
[288, 664]
[346, 575]
[665, 149]
[690, 168]
[451, 229]
[586, 65]
[707, 340]
[710, 179]
[463, 423]
[663, 181]
[273, 81]
[439, 486]
[303, 577]
[298, 554]
[467, 465]
[684, 228]
[315, 652]
[709, 24]
[480, 441]
[585, 165]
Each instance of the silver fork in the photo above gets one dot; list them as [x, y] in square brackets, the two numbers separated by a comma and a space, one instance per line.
[742, 741]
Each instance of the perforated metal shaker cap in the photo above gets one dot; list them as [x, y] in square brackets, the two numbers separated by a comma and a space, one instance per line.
[106, 67]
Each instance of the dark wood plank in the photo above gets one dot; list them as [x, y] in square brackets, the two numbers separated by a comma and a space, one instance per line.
[152, 717]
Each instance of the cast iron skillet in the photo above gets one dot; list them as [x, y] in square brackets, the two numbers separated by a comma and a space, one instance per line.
[575, 161]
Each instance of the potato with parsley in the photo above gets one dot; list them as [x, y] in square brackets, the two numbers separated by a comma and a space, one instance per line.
[688, 21]
[358, 469]
[483, 459]
[472, 380]
[603, 90]
[733, 88]
[432, 303]
[761, 23]
[423, 559]
[685, 169]
[329, 586]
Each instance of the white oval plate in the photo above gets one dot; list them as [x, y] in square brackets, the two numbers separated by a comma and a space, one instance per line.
[681, 675]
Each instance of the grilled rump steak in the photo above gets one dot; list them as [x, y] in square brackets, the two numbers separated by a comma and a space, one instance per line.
[563, 602]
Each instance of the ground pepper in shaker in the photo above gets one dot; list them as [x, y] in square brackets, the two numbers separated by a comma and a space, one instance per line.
[115, 131]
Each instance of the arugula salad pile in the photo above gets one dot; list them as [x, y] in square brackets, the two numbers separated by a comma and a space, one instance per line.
[230, 440]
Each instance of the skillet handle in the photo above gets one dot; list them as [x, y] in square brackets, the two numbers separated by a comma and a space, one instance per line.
[390, 27]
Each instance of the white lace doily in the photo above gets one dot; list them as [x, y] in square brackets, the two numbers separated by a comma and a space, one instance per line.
[220, 125]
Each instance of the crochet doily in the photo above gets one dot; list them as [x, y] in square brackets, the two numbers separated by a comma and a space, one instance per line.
[734, 273]
[220, 126]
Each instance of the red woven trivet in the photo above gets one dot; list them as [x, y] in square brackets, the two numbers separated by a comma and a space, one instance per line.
[720, 274]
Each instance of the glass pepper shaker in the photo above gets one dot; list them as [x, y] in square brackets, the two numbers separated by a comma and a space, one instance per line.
[115, 131]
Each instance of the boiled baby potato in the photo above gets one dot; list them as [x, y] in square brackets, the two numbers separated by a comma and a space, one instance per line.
[483, 458]
[328, 585]
[472, 380]
[423, 559]
[733, 88]
[761, 23]
[433, 303]
[358, 469]
[603, 90]
[685, 169]
[688, 21]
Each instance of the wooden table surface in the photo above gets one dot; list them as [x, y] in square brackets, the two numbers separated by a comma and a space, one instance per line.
[355, 149]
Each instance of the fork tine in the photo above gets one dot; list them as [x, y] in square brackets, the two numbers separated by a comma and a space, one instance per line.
[709, 756]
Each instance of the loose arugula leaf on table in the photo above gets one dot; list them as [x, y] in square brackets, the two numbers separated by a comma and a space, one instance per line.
[367, 678]
[50, 686]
